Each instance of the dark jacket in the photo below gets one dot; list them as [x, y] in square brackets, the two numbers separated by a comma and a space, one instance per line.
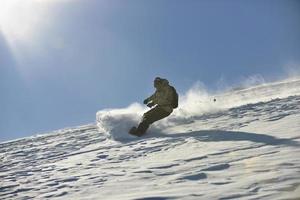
[163, 96]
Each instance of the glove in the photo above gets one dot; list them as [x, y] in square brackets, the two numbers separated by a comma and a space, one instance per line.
[150, 105]
[146, 101]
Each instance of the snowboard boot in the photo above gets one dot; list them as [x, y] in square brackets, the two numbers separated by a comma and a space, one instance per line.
[134, 131]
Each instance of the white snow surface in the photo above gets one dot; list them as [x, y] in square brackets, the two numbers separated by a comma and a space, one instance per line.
[244, 145]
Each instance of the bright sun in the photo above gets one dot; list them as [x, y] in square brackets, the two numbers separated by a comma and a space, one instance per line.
[20, 20]
[23, 24]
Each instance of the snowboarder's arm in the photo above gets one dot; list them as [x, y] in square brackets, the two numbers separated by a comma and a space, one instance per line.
[149, 99]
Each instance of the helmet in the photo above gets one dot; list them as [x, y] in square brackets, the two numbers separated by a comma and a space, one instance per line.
[160, 82]
[157, 80]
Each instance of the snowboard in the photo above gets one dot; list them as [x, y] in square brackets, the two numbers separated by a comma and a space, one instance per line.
[132, 131]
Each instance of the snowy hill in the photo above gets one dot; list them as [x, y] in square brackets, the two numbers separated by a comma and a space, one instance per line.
[244, 145]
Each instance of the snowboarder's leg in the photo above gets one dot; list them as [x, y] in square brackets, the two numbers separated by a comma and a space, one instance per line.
[150, 117]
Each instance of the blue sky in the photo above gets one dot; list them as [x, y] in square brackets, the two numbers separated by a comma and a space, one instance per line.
[63, 60]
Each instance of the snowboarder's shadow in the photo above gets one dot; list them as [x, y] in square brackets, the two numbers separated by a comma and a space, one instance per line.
[221, 136]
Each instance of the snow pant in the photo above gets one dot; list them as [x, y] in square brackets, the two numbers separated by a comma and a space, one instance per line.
[153, 115]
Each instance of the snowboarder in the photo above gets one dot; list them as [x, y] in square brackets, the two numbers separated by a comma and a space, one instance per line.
[162, 103]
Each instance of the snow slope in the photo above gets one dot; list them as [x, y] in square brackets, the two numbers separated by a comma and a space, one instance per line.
[246, 145]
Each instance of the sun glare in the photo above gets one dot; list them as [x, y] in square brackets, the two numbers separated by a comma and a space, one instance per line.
[21, 20]
[23, 23]
[18, 20]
